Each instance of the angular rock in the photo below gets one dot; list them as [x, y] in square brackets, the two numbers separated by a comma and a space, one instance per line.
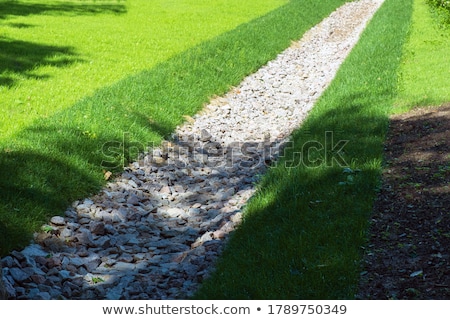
[34, 250]
[19, 275]
[96, 227]
[84, 237]
[58, 221]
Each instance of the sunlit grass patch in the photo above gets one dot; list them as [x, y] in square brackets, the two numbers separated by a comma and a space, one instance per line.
[425, 69]
[53, 53]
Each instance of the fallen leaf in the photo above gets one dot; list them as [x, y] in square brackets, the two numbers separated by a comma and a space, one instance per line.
[189, 119]
[107, 175]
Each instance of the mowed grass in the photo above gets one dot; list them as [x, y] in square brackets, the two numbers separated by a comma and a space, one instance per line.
[303, 232]
[53, 53]
[60, 156]
[57, 53]
[425, 70]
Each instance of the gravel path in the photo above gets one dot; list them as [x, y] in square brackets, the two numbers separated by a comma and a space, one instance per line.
[155, 232]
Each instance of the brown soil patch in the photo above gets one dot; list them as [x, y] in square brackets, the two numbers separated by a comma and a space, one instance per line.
[408, 255]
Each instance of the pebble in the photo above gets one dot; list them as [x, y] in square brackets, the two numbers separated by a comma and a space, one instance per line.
[156, 231]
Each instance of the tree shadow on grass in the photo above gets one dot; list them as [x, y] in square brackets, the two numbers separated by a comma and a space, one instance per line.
[19, 58]
[53, 163]
[22, 192]
[20, 25]
[17, 8]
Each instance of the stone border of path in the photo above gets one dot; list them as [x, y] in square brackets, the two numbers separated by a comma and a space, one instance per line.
[156, 231]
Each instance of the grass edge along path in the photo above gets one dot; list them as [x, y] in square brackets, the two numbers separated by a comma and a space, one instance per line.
[60, 159]
[303, 232]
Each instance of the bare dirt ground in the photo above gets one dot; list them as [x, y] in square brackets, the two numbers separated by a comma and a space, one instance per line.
[408, 255]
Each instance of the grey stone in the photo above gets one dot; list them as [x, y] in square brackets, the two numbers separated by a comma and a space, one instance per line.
[38, 278]
[57, 220]
[103, 242]
[76, 261]
[66, 233]
[34, 294]
[19, 275]
[205, 135]
[126, 257]
[124, 266]
[7, 262]
[175, 212]
[18, 255]
[117, 292]
[34, 250]
[7, 290]
[84, 236]
[42, 296]
[64, 274]
[119, 215]
[132, 183]
[97, 227]
[92, 262]
[133, 200]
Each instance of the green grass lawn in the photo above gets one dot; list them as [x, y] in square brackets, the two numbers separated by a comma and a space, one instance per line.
[303, 232]
[53, 53]
[61, 131]
[425, 71]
